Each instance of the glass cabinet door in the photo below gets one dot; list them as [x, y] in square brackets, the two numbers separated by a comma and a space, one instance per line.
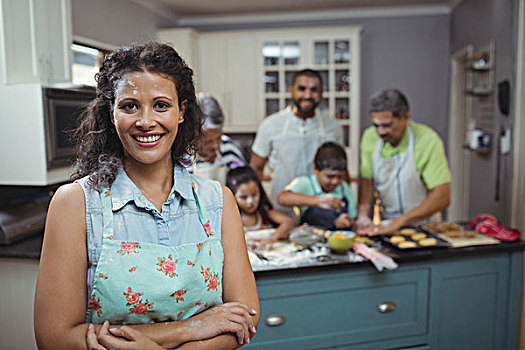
[321, 53]
[333, 52]
[281, 59]
[271, 53]
[331, 57]
[291, 53]
[342, 51]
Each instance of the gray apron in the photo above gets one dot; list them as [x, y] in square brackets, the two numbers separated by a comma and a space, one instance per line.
[396, 179]
[295, 157]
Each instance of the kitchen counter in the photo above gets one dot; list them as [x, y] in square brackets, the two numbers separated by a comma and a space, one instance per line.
[423, 255]
[28, 248]
[438, 298]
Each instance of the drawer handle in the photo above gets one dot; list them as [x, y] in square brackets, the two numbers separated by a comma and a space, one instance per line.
[386, 307]
[275, 320]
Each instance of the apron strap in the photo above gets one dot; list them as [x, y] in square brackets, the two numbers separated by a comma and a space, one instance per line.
[107, 213]
[411, 138]
[321, 124]
[204, 217]
[286, 124]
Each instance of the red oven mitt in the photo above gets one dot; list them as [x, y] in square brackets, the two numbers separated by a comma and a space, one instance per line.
[488, 225]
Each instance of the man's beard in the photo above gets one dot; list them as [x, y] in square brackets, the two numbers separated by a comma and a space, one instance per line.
[308, 111]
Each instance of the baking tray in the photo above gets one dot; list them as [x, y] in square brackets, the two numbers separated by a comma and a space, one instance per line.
[440, 243]
[462, 241]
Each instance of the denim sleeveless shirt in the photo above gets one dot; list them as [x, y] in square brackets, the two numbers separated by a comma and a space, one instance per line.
[137, 219]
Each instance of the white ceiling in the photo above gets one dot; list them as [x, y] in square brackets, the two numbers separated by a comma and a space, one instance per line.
[196, 8]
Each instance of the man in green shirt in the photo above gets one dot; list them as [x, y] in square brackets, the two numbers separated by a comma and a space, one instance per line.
[405, 163]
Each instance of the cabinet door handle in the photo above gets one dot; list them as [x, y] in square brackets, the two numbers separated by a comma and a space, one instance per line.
[386, 307]
[275, 320]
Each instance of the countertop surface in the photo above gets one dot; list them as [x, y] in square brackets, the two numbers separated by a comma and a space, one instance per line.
[423, 255]
[30, 248]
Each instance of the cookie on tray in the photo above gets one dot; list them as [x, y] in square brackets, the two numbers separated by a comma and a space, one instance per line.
[407, 231]
[427, 242]
[407, 244]
[418, 236]
[397, 239]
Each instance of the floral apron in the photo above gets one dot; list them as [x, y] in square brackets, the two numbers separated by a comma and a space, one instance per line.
[137, 283]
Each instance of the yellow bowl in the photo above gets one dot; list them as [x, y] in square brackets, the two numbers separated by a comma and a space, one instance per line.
[340, 242]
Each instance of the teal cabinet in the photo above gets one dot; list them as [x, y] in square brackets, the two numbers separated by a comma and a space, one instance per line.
[459, 303]
[341, 308]
[472, 305]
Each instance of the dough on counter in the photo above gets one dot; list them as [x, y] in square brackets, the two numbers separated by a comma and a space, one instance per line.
[418, 236]
[408, 231]
[407, 244]
[397, 239]
[428, 242]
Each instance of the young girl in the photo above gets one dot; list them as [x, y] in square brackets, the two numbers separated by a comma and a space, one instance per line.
[256, 210]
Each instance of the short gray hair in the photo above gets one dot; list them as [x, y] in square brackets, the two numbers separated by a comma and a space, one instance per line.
[213, 116]
[391, 100]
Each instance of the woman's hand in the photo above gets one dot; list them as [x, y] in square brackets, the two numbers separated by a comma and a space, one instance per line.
[233, 317]
[122, 338]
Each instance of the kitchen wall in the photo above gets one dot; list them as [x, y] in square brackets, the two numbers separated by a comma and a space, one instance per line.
[477, 22]
[115, 22]
[410, 53]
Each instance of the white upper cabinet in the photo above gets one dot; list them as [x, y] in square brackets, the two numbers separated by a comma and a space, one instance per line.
[228, 70]
[226, 65]
[185, 41]
[35, 41]
[35, 51]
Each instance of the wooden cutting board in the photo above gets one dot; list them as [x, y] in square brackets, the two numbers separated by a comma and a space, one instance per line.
[479, 239]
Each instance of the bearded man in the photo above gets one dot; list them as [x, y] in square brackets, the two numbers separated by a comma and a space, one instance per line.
[288, 139]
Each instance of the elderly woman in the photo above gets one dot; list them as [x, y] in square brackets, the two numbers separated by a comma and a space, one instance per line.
[135, 239]
[216, 153]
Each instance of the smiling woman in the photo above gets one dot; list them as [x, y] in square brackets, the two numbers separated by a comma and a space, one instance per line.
[159, 250]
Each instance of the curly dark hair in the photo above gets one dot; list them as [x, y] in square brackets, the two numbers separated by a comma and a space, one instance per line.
[100, 152]
[242, 175]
